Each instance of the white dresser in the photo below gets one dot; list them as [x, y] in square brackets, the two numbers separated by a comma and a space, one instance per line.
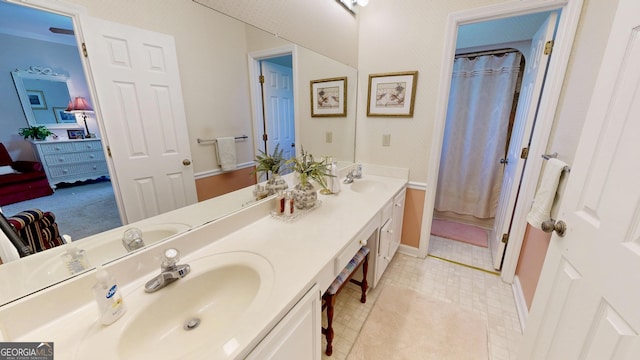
[71, 160]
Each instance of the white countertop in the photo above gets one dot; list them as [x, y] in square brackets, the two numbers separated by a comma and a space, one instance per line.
[298, 251]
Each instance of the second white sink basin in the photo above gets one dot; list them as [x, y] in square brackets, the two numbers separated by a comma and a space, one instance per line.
[366, 186]
[207, 308]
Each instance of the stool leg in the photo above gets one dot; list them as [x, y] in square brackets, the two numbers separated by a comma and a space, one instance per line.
[364, 285]
[330, 301]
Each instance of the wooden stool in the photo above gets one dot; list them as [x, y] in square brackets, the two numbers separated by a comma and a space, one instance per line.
[329, 297]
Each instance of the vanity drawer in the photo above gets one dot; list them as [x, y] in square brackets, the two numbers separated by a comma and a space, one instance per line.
[356, 243]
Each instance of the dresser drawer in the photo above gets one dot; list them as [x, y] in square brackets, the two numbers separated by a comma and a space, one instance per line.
[56, 148]
[78, 171]
[72, 158]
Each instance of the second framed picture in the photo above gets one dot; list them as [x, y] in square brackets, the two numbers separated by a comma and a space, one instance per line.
[392, 94]
[329, 97]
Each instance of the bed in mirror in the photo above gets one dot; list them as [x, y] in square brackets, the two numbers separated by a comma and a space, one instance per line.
[321, 136]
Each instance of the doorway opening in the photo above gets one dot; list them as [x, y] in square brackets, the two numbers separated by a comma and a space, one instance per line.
[533, 31]
[272, 87]
[73, 201]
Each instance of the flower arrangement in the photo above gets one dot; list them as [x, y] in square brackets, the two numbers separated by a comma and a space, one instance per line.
[270, 163]
[309, 169]
[39, 132]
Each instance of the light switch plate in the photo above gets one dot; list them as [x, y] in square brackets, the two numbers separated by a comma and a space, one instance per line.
[328, 137]
[386, 140]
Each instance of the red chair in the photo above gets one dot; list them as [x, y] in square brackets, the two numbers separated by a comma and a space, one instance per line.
[27, 180]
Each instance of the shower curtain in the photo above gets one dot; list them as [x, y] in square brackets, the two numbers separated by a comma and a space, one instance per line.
[480, 102]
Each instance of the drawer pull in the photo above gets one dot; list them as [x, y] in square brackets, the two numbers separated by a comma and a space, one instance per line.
[65, 171]
[92, 156]
[363, 242]
[61, 160]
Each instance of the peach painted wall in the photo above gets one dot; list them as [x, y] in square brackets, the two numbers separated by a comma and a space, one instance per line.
[412, 223]
[532, 254]
[223, 183]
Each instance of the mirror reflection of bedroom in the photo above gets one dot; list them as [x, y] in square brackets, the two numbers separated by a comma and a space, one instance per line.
[67, 173]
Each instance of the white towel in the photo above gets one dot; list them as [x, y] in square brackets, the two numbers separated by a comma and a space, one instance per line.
[226, 153]
[543, 201]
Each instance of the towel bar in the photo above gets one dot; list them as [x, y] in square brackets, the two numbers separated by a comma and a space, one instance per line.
[200, 141]
[553, 156]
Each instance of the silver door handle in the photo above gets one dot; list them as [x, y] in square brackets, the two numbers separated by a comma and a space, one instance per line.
[560, 227]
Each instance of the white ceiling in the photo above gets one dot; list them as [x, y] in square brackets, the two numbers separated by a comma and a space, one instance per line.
[31, 23]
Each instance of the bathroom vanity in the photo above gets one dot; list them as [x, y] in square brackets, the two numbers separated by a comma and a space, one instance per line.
[254, 290]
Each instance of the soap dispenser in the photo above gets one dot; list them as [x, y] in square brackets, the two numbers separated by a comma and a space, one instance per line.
[110, 304]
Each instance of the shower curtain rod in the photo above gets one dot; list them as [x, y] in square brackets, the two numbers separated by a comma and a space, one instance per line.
[488, 52]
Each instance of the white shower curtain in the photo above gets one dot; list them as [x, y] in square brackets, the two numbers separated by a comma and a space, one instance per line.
[480, 101]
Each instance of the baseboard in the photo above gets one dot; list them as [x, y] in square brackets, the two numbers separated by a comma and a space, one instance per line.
[521, 303]
[408, 250]
[214, 172]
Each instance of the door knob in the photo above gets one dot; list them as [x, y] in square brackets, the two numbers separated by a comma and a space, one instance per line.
[186, 162]
[504, 161]
[560, 227]
[293, 145]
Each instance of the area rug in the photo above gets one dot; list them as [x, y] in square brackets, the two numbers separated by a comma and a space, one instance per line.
[80, 210]
[461, 232]
[404, 324]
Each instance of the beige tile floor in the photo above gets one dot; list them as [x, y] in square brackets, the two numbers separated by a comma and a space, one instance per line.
[472, 289]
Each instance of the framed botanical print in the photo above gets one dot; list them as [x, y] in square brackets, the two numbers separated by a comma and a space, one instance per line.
[329, 97]
[392, 94]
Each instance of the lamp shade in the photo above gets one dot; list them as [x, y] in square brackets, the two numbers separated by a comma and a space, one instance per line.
[78, 104]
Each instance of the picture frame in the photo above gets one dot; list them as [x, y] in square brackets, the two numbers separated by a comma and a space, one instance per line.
[62, 116]
[74, 134]
[329, 97]
[392, 94]
[36, 99]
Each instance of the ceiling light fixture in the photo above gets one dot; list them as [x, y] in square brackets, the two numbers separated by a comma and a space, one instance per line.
[351, 4]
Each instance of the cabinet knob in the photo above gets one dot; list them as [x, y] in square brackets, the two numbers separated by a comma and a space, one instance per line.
[363, 242]
[92, 156]
[61, 159]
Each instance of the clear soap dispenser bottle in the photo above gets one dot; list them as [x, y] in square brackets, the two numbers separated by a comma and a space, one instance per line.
[110, 304]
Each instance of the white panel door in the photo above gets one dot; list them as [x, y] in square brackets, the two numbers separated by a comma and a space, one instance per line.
[530, 91]
[140, 98]
[278, 103]
[587, 302]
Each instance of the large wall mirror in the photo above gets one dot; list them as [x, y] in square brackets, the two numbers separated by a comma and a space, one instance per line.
[333, 136]
[44, 95]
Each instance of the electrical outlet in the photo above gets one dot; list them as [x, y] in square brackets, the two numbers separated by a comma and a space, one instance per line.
[328, 137]
[386, 140]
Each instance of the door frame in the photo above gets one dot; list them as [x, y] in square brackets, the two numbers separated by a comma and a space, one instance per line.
[254, 59]
[565, 35]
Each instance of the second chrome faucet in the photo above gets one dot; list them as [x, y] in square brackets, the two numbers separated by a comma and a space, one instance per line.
[170, 271]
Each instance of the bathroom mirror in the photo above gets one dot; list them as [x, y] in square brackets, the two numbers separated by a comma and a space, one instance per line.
[44, 95]
[312, 131]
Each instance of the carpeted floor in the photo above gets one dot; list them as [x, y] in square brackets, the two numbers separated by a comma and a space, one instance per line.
[460, 232]
[80, 210]
[404, 324]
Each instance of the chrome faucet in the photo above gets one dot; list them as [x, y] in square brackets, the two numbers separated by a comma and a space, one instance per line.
[349, 178]
[170, 271]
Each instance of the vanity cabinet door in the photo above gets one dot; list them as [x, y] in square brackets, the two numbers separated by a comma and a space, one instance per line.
[297, 335]
[398, 217]
[385, 243]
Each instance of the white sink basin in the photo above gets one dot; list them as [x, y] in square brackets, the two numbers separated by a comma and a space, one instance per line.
[219, 297]
[366, 186]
